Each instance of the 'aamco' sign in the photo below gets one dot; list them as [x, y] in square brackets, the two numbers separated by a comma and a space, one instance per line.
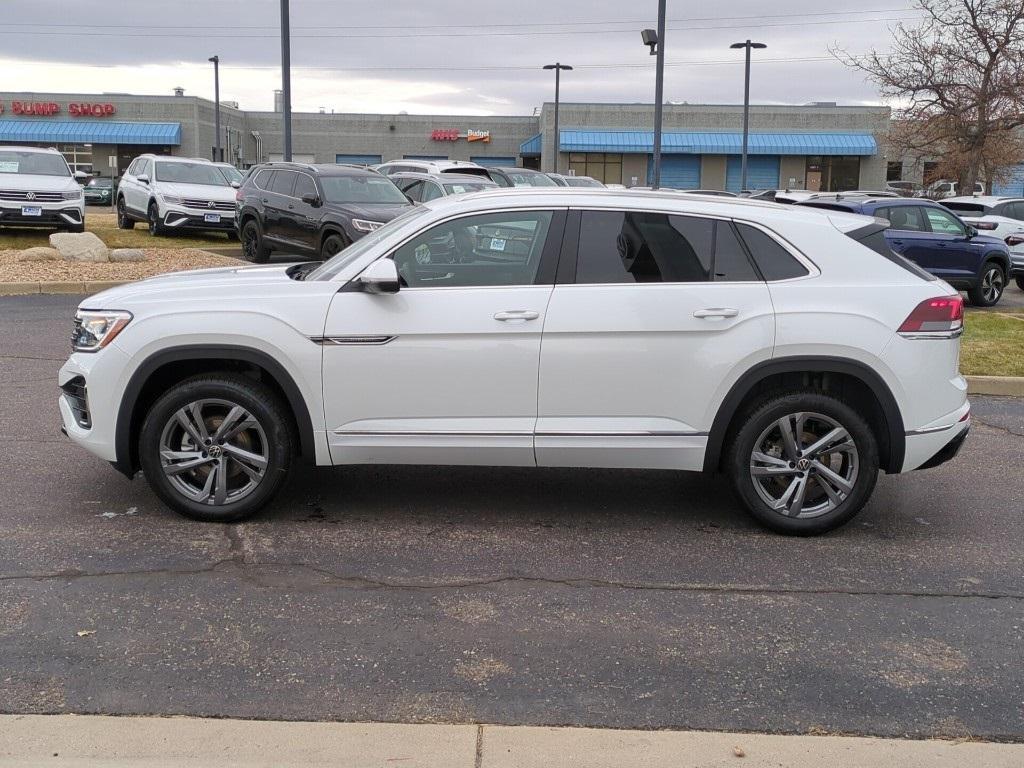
[452, 134]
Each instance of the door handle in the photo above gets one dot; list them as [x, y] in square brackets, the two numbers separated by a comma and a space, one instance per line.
[716, 312]
[513, 315]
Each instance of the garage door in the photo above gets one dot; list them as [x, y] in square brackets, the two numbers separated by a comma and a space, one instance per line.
[762, 172]
[357, 159]
[1014, 184]
[500, 162]
[677, 171]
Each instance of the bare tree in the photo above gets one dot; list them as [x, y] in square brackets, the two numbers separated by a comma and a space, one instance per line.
[957, 80]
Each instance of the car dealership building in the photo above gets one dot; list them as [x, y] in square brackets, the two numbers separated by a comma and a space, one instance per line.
[813, 146]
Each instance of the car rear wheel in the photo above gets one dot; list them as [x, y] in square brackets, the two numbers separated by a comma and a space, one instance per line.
[332, 244]
[123, 220]
[156, 226]
[990, 287]
[803, 463]
[216, 447]
[253, 247]
[1020, 282]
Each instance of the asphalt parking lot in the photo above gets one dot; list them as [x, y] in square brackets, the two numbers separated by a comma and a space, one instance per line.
[620, 599]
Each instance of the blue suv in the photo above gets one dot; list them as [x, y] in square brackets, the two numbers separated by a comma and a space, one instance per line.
[936, 240]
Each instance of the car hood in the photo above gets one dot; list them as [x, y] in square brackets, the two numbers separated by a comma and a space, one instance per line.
[382, 213]
[197, 191]
[35, 183]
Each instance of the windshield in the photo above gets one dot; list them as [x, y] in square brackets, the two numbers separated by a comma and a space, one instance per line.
[526, 179]
[190, 173]
[230, 173]
[100, 183]
[342, 259]
[467, 186]
[36, 163]
[369, 190]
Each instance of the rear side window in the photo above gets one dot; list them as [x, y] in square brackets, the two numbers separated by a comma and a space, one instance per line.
[263, 179]
[905, 218]
[773, 261]
[873, 237]
[283, 182]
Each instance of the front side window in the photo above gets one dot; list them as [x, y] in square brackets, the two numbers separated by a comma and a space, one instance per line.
[904, 218]
[413, 188]
[642, 247]
[431, 191]
[190, 173]
[368, 190]
[943, 223]
[490, 249]
[304, 185]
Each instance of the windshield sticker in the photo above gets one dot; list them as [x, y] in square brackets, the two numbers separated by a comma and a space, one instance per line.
[422, 253]
[8, 166]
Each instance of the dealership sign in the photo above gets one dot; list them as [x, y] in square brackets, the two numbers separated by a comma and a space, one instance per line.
[51, 108]
[452, 134]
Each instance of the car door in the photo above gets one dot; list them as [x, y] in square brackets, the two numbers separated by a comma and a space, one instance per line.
[276, 199]
[136, 192]
[642, 339]
[908, 233]
[951, 255]
[303, 217]
[445, 371]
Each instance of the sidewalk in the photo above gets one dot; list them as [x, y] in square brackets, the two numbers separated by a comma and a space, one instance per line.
[155, 742]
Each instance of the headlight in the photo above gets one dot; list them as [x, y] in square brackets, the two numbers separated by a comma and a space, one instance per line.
[366, 226]
[72, 194]
[171, 199]
[94, 329]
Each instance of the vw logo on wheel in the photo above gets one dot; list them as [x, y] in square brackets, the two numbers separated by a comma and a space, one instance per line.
[30, 195]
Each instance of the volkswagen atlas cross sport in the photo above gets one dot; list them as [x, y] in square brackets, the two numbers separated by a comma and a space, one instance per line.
[561, 327]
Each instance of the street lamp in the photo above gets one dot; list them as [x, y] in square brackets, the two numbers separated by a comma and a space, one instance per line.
[558, 67]
[286, 80]
[656, 42]
[216, 107]
[746, 109]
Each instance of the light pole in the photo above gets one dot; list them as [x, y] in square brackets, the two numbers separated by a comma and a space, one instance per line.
[558, 67]
[656, 42]
[216, 107]
[746, 109]
[286, 80]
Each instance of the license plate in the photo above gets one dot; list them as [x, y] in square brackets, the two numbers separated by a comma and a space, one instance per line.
[497, 244]
[31, 210]
[212, 218]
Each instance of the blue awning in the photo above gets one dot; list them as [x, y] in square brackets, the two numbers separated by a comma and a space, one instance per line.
[531, 147]
[709, 143]
[89, 132]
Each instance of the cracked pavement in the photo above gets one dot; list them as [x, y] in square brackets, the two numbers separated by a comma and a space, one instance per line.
[621, 599]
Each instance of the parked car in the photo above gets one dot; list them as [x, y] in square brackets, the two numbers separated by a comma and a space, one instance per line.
[557, 328]
[312, 210]
[903, 188]
[231, 174]
[175, 193]
[943, 188]
[98, 191]
[788, 196]
[938, 241]
[430, 166]
[519, 177]
[567, 180]
[37, 189]
[1001, 217]
[422, 187]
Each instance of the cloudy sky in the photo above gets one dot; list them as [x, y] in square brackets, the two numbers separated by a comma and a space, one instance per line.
[441, 56]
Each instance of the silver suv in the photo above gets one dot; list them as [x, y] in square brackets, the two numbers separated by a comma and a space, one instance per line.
[37, 189]
[173, 193]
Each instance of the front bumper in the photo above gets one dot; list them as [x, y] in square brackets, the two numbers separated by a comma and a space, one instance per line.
[188, 219]
[92, 379]
[56, 216]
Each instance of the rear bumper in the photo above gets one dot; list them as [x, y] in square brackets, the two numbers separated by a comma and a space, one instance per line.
[48, 217]
[949, 451]
[935, 445]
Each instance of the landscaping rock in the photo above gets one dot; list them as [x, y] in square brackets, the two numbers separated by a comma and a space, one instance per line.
[39, 253]
[127, 254]
[80, 246]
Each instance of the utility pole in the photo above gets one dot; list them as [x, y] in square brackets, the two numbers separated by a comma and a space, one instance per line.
[216, 107]
[286, 80]
[746, 109]
[558, 67]
[655, 40]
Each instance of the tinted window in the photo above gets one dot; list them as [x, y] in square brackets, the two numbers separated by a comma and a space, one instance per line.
[641, 247]
[968, 208]
[304, 185]
[413, 188]
[488, 249]
[905, 218]
[283, 182]
[773, 261]
[1014, 211]
[731, 262]
[943, 223]
[263, 179]
[430, 191]
[370, 189]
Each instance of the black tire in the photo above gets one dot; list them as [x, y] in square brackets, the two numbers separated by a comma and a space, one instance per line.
[156, 226]
[124, 221]
[1020, 282]
[990, 287]
[272, 438]
[232, 235]
[858, 468]
[76, 227]
[254, 248]
[332, 244]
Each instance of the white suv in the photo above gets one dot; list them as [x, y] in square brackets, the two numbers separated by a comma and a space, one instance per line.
[37, 189]
[431, 166]
[558, 328]
[1001, 217]
[174, 193]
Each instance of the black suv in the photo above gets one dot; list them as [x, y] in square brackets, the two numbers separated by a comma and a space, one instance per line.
[314, 210]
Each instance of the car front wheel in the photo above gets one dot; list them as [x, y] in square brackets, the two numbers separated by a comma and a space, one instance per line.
[332, 244]
[803, 463]
[253, 247]
[990, 287]
[216, 447]
[156, 226]
[123, 220]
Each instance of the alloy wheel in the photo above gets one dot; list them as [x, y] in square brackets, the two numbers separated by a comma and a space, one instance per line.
[250, 242]
[992, 285]
[804, 465]
[214, 452]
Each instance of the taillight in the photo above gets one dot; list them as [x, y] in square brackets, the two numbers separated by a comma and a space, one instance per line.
[238, 194]
[1014, 240]
[940, 316]
[984, 225]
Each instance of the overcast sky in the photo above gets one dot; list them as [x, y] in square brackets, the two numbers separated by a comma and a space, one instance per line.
[441, 56]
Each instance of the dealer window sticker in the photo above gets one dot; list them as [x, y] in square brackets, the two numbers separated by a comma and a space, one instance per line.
[422, 253]
[9, 166]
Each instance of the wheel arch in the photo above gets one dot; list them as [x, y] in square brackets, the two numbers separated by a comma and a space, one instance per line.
[178, 363]
[332, 228]
[851, 378]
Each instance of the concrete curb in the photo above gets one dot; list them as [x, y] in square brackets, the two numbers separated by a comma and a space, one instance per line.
[1006, 386]
[77, 286]
[159, 742]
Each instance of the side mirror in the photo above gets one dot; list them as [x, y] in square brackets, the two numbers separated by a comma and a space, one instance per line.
[972, 232]
[380, 277]
[144, 179]
[311, 199]
[81, 175]
[234, 185]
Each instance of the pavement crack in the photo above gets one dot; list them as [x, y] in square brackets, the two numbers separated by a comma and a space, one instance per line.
[996, 427]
